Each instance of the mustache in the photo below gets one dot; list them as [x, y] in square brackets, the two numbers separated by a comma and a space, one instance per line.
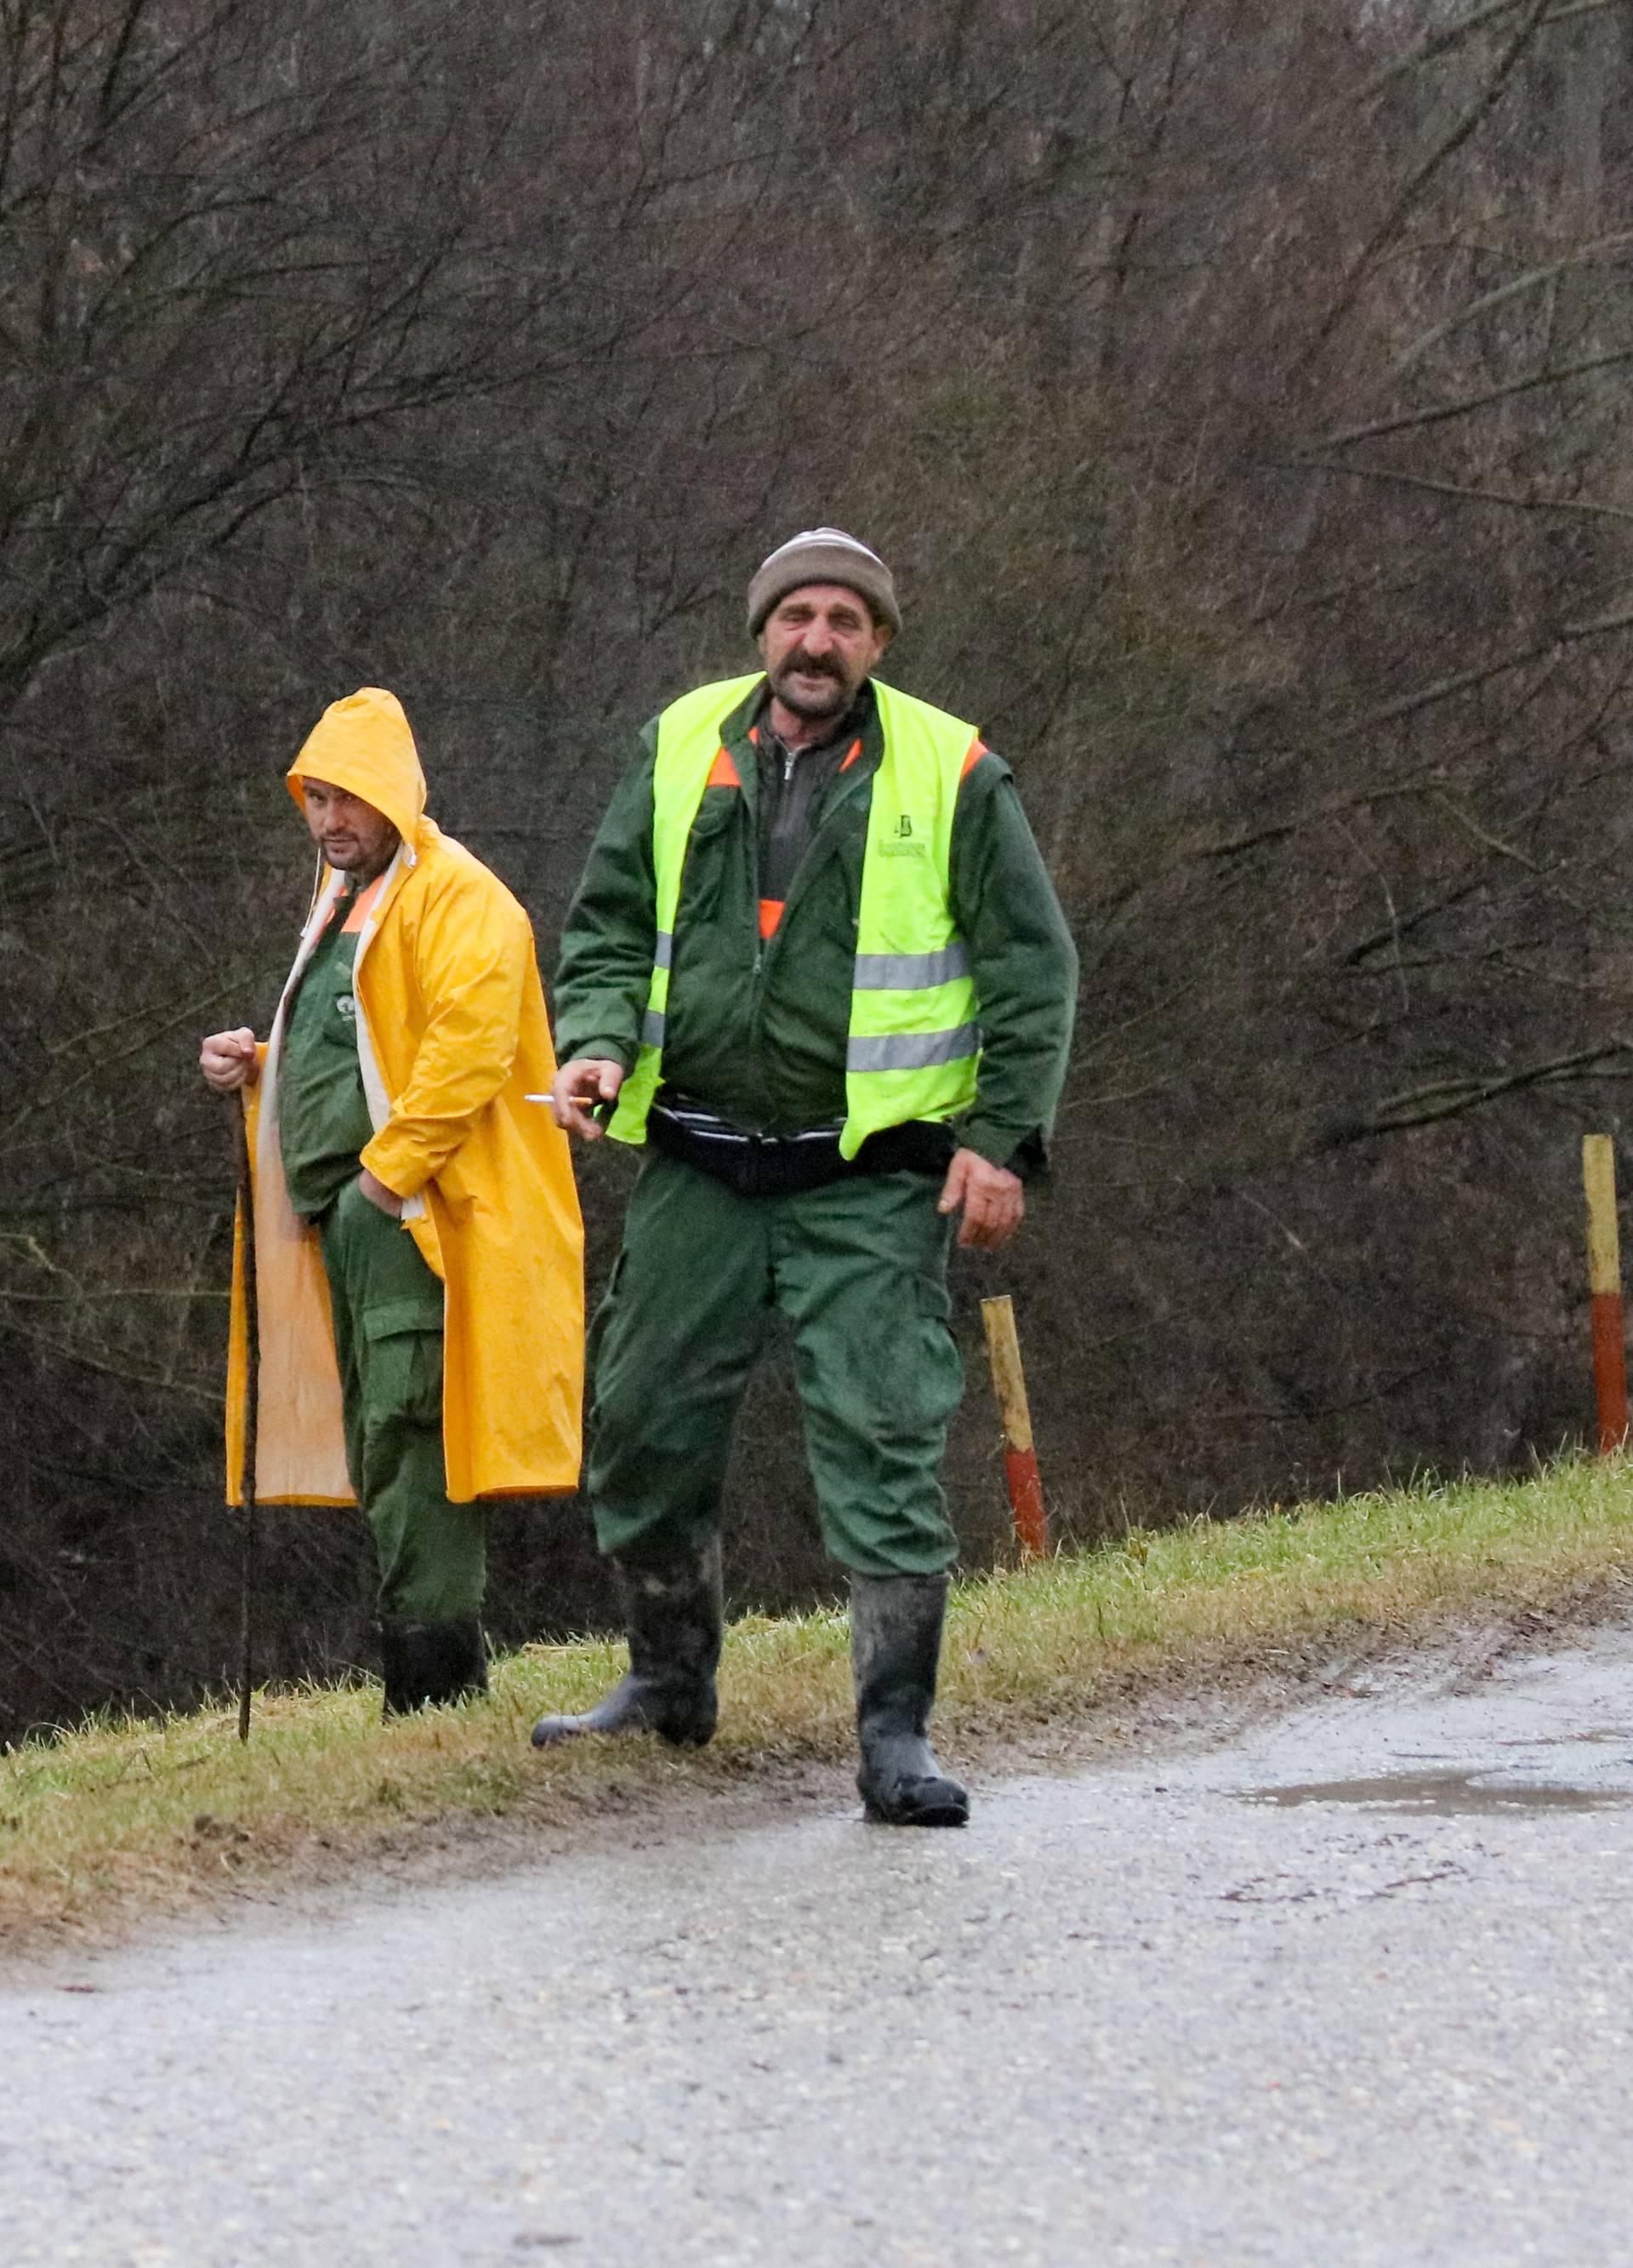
[811, 665]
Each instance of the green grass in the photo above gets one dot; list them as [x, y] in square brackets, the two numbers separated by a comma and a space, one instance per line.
[119, 1814]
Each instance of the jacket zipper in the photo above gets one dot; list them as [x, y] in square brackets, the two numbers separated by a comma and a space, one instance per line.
[789, 758]
[762, 944]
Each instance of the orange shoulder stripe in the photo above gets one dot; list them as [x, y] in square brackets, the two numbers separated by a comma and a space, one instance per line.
[361, 905]
[977, 749]
[723, 772]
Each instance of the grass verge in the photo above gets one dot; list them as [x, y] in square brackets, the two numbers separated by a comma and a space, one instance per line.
[96, 1822]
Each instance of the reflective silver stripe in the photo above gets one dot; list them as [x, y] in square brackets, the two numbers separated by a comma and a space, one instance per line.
[664, 957]
[908, 972]
[912, 1050]
[652, 1028]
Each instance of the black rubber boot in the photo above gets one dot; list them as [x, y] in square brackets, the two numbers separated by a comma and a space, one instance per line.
[426, 1662]
[895, 1644]
[672, 1616]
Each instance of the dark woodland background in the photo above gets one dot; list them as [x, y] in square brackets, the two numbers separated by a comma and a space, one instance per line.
[1241, 394]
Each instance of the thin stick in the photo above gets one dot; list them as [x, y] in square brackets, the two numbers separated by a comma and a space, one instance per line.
[1020, 1458]
[252, 1412]
[1603, 1262]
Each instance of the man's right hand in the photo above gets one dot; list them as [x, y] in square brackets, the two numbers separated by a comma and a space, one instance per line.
[228, 1060]
[580, 1085]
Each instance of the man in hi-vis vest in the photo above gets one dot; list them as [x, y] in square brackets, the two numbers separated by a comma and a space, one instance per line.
[817, 966]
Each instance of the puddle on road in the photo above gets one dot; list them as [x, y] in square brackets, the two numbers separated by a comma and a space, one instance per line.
[1439, 1796]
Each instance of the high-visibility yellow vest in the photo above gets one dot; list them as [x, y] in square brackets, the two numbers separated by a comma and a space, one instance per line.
[914, 1041]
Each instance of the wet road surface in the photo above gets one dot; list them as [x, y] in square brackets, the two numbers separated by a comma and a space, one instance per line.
[1352, 1988]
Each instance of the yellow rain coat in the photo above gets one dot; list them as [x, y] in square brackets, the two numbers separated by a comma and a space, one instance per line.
[452, 1037]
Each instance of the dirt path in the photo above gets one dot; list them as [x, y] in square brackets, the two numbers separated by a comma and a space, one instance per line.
[1350, 1988]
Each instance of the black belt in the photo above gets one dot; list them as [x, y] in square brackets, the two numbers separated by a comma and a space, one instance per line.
[783, 1164]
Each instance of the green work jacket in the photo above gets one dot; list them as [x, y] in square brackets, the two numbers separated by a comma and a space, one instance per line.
[757, 1029]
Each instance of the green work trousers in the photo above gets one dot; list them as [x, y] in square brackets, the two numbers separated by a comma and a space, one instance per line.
[387, 1310]
[859, 1271]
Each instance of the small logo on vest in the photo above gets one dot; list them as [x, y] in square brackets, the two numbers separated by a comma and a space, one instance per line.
[901, 840]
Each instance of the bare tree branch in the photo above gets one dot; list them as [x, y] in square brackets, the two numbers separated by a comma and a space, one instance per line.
[1472, 118]
[1587, 506]
[1453, 1098]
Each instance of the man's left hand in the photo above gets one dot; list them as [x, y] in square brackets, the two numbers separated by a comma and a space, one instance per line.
[378, 1193]
[993, 1199]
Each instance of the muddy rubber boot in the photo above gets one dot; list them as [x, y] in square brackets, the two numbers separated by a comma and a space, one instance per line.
[428, 1662]
[672, 1616]
[895, 1644]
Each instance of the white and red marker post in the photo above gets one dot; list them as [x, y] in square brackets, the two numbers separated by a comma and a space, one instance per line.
[1603, 1264]
[1020, 1458]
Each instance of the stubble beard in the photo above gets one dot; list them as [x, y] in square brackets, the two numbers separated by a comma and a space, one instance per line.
[360, 865]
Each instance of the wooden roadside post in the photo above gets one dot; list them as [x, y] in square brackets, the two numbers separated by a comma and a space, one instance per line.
[1020, 1458]
[1604, 1264]
[239, 1128]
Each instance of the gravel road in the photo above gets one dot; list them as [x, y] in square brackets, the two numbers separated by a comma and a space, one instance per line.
[1351, 1989]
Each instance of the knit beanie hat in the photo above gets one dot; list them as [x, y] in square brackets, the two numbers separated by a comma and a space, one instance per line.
[822, 554]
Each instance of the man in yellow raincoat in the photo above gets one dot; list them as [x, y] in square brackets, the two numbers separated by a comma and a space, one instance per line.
[417, 1239]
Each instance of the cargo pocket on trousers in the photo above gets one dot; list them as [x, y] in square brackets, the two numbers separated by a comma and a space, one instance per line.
[405, 1360]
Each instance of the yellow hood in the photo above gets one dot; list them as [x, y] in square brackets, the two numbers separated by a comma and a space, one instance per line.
[362, 744]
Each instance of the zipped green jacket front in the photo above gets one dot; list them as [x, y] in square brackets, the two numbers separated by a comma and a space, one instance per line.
[757, 1029]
